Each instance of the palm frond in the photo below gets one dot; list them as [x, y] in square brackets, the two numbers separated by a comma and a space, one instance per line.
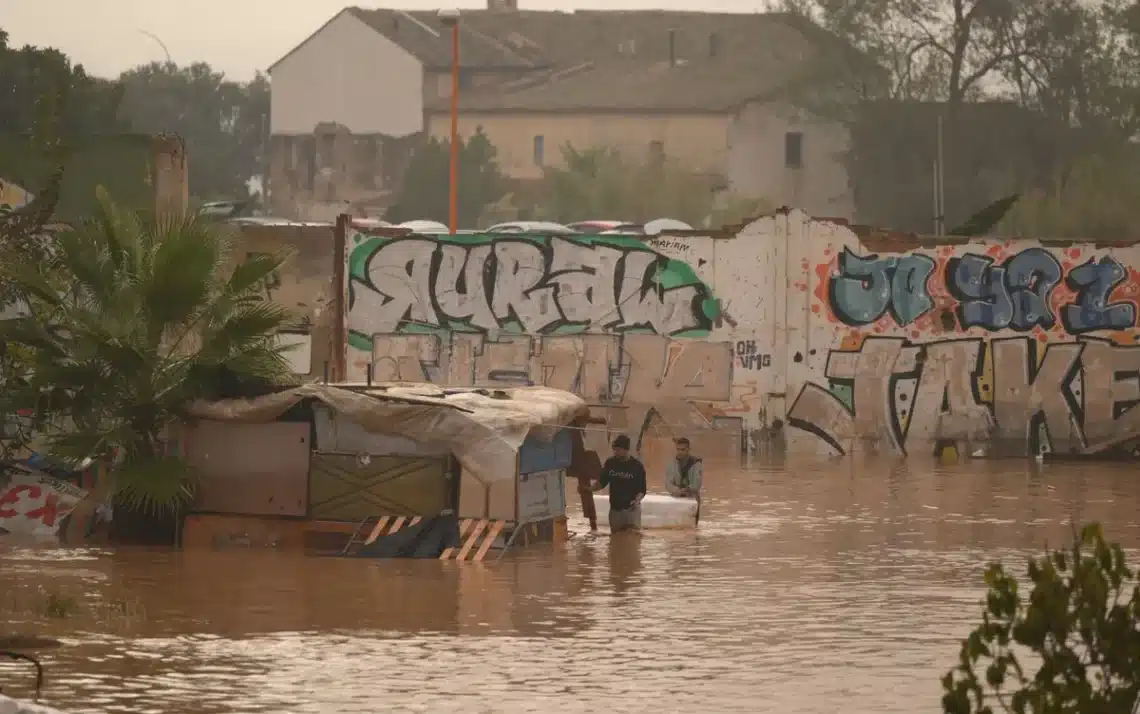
[253, 273]
[155, 485]
[150, 319]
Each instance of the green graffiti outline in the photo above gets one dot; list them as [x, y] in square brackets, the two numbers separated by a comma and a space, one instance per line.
[673, 274]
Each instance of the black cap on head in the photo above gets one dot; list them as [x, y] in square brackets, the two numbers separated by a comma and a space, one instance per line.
[621, 442]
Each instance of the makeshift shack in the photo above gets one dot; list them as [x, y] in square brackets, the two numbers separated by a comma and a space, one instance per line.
[383, 470]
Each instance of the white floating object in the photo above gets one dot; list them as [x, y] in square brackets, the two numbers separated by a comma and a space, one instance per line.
[20, 706]
[657, 510]
[659, 225]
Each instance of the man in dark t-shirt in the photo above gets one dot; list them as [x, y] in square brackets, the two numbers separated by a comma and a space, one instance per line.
[625, 477]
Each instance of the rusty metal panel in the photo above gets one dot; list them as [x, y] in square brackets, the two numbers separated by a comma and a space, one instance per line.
[250, 469]
[342, 487]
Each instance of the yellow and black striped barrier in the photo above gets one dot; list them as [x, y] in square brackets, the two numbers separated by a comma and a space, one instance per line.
[476, 536]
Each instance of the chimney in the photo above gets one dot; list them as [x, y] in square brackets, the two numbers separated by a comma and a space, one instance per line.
[714, 44]
[672, 47]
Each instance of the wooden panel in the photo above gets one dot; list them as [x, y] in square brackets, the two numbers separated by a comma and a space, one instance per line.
[224, 531]
[343, 489]
[250, 469]
[477, 500]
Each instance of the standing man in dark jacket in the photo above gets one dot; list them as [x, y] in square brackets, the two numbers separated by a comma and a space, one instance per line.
[625, 477]
[585, 466]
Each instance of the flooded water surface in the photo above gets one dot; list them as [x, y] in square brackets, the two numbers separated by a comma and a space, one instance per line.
[807, 588]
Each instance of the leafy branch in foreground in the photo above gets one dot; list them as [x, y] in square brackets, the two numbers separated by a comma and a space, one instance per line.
[1079, 621]
[152, 317]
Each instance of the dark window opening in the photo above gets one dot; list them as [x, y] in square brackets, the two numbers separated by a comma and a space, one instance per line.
[793, 150]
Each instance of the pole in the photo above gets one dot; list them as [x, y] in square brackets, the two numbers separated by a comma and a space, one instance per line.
[454, 177]
[941, 181]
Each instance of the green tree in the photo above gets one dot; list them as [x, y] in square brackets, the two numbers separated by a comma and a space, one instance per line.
[48, 99]
[150, 318]
[601, 183]
[426, 194]
[1081, 622]
[225, 124]
[1094, 198]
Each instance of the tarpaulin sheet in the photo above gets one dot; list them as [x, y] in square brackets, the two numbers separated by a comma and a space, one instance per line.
[484, 428]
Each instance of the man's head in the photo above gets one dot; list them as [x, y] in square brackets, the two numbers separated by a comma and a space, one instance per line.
[621, 446]
[682, 448]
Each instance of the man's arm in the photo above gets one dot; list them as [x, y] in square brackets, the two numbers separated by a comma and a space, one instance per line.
[641, 486]
[696, 476]
[604, 478]
[672, 478]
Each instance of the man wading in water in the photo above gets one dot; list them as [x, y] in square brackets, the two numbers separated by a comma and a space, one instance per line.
[586, 467]
[683, 475]
[625, 477]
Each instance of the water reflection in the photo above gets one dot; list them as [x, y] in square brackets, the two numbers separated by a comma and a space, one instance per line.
[808, 588]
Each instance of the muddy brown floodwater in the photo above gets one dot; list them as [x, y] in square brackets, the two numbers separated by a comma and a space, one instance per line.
[808, 588]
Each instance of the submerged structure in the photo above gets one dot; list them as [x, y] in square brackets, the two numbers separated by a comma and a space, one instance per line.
[381, 470]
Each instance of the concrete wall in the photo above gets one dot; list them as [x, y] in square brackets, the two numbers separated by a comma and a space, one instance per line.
[303, 285]
[758, 164]
[747, 148]
[639, 328]
[349, 74]
[1010, 346]
[789, 333]
[696, 140]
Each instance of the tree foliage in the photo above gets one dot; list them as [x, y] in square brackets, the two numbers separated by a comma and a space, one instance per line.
[225, 124]
[426, 194]
[131, 318]
[1080, 622]
[1094, 198]
[1072, 65]
[47, 98]
[601, 183]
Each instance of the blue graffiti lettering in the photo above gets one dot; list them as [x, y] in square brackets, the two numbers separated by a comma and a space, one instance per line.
[909, 299]
[979, 287]
[1031, 276]
[867, 287]
[1093, 282]
[861, 293]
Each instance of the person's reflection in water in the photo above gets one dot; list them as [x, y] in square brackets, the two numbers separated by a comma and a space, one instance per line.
[625, 561]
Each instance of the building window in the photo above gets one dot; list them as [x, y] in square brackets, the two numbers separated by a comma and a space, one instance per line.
[793, 150]
[539, 150]
[466, 78]
[656, 152]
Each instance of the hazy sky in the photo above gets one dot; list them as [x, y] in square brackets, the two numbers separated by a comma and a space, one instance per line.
[235, 36]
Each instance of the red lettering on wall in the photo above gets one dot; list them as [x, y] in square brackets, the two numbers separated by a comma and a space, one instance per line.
[12, 497]
[46, 513]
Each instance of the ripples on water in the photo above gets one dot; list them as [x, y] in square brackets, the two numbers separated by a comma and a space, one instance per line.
[811, 588]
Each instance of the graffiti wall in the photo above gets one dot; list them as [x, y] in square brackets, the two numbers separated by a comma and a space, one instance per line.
[646, 329]
[1008, 347]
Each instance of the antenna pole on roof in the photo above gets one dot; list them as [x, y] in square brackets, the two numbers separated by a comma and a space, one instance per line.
[450, 18]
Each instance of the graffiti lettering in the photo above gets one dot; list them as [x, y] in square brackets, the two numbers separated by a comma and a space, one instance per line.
[749, 357]
[535, 286]
[671, 244]
[867, 288]
[1093, 283]
[1015, 294]
[897, 396]
[647, 376]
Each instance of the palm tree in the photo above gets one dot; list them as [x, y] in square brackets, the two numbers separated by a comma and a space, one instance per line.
[131, 319]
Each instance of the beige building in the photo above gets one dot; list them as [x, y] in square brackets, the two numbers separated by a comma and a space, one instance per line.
[711, 91]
